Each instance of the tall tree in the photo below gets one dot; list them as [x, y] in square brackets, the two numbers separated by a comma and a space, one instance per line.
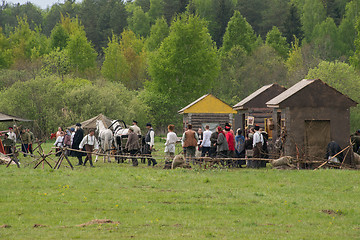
[125, 60]
[313, 14]
[138, 20]
[5, 51]
[275, 40]
[158, 32]
[292, 25]
[114, 63]
[239, 32]
[59, 37]
[325, 41]
[184, 68]
[346, 30]
[156, 10]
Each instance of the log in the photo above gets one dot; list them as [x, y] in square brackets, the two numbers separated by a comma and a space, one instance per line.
[283, 161]
[4, 160]
[357, 159]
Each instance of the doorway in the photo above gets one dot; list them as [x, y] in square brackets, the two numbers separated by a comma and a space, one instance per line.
[317, 137]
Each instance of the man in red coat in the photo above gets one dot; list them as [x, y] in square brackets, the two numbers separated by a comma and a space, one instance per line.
[230, 140]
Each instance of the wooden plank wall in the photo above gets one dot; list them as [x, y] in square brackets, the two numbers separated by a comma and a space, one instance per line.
[196, 119]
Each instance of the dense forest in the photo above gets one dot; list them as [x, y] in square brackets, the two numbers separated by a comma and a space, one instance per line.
[146, 59]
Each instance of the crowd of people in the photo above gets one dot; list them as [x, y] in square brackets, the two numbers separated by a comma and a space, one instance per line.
[24, 136]
[250, 143]
[223, 143]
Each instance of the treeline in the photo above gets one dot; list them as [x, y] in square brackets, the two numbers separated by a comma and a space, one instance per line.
[146, 59]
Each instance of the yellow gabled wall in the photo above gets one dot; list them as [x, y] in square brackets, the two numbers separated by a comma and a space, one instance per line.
[210, 104]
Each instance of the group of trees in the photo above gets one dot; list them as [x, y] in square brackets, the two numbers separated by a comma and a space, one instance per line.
[146, 59]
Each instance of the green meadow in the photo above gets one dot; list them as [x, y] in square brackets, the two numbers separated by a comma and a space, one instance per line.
[153, 203]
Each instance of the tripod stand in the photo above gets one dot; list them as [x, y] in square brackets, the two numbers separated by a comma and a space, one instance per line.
[61, 158]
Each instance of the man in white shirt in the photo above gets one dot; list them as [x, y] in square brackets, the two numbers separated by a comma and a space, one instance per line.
[149, 144]
[206, 144]
[11, 134]
[90, 142]
[136, 128]
[258, 141]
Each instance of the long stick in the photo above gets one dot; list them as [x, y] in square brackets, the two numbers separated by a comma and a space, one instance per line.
[327, 160]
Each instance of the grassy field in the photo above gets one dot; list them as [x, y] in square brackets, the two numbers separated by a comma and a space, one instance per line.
[152, 203]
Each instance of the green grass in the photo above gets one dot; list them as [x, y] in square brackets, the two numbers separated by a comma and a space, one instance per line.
[152, 203]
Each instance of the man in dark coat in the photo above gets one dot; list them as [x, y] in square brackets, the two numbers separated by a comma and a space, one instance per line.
[79, 135]
[332, 149]
[213, 146]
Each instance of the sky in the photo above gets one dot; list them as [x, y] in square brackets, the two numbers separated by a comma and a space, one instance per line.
[40, 3]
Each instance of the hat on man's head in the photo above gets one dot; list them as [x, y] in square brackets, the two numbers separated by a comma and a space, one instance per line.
[257, 127]
[11, 128]
[148, 124]
[78, 124]
[227, 128]
[72, 129]
[131, 128]
[134, 121]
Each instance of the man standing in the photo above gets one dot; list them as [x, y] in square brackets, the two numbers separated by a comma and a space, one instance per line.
[25, 140]
[11, 134]
[136, 128]
[8, 144]
[213, 141]
[206, 143]
[132, 145]
[258, 142]
[149, 144]
[90, 143]
[32, 139]
[190, 140]
[78, 136]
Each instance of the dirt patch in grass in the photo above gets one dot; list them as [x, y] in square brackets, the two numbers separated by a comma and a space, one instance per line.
[5, 226]
[39, 225]
[98, 221]
[331, 212]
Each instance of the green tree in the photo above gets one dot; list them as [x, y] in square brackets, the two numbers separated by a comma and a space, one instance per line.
[184, 68]
[5, 51]
[292, 25]
[139, 22]
[59, 37]
[345, 79]
[125, 60]
[325, 41]
[57, 62]
[275, 40]
[158, 32]
[217, 13]
[313, 14]
[114, 63]
[239, 32]
[156, 10]
[346, 30]
[82, 55]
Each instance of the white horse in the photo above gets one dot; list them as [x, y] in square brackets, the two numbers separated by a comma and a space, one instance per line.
[105, 138]
[119, 131]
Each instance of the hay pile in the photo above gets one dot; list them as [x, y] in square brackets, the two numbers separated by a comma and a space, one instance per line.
[357, 160]
[4, 160]
[283, 163]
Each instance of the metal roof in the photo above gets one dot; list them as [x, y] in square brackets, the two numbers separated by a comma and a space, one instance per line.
[251, 96]
[289, 92]
[193, 103]
[9, 118]
[276, 101]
